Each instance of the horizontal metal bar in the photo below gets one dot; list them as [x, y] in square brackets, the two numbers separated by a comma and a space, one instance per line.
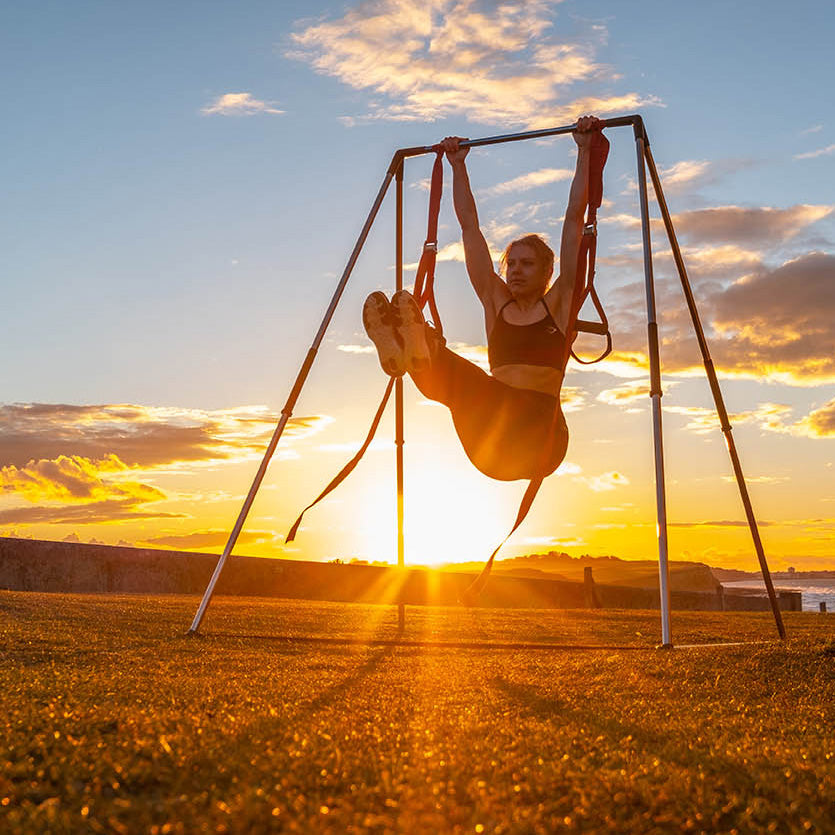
[619, 122]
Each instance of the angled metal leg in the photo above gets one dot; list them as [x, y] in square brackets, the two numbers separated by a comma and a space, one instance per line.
[655, 394]
[716, 391]
[287, 411]
[399, 439]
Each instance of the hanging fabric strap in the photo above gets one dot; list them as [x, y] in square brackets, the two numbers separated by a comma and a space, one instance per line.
[424, 292]
[588, 246]
[349, 467]
[582, 288]
[425, 279]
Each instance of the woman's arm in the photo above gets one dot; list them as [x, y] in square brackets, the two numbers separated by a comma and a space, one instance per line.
[476, 252]
[572, 229]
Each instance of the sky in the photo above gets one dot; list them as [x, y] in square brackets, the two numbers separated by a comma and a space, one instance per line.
[182, 187]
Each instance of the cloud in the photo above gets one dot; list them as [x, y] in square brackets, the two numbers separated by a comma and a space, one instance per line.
[819, 423]
[605, 481]
[429, 59]
[119, 510]
[737, 224]
[85, 491]
[75, 479]
[683, 173]
[572, 399]
[476, 354]
[718, 259]
[534, 179]
[200, 540]
[774, 323]
[758, 479]
[721, 523]
[625, 393]
[769, 417]
[141, 436]
[821, 152]
[357, 349]
[781, 323]
[450, 252]
[763, 225]
[350, 447]
[239, 104]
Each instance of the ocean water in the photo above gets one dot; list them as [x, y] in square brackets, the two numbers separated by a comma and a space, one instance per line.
[814, 591]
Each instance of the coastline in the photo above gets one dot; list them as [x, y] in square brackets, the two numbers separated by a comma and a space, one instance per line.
[814, 590]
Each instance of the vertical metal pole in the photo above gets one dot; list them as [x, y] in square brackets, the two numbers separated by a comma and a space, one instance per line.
[716, 391]
[398, 395]
[655, 393]
[287, 411]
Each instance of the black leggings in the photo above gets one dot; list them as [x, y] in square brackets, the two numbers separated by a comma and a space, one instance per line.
[508, 433]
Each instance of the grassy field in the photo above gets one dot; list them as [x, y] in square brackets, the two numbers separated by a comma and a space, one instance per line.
[114, 721]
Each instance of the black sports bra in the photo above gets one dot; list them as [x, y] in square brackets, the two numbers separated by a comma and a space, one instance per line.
[539, 343]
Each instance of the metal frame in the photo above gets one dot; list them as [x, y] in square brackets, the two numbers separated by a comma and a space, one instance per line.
[644, 160]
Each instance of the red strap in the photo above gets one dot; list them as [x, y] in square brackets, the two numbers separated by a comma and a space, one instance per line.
[425, 279]
[348, 468]
[585, 261]
[425, 294]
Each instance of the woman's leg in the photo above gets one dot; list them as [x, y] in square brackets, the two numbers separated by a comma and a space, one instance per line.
[507, 433]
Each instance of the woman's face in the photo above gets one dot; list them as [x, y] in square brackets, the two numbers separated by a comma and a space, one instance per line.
[524, 274]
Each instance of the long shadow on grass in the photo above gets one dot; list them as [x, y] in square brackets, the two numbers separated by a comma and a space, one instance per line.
[674, 749]
[335, 692]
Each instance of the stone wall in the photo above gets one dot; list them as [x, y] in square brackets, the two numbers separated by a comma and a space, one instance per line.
[36, 565]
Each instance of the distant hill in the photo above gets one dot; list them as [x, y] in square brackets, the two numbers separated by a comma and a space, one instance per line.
[684, 576]
[730, 575]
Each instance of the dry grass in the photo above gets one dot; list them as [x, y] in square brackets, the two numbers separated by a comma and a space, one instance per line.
[113, 721]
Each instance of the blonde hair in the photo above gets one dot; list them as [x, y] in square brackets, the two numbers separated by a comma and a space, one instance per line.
[544, 253]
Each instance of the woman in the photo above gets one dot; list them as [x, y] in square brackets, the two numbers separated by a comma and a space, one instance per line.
[510, 422]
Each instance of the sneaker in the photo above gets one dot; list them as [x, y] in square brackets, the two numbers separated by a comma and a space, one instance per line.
[410, 326]
[378, 319]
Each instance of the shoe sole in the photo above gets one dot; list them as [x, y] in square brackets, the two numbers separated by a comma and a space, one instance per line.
[411, 327]
[378, 320]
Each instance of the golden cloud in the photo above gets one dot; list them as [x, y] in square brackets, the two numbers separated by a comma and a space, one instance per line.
[141, 436]
[819, 423]
[733, 224]
[625, 394]
[94, 513]
[780, 323]
[737, 224]
[774, 323]
[72, 479]
[201, 540]
[428, 59]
